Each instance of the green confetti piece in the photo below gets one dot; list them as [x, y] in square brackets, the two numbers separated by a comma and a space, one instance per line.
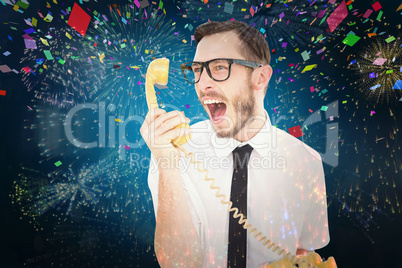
[389, 72]
[351, 39]
[322, 20]
[345, 101]
[40, 70]
[390, 39]
[61, 61]
[350, 7]
[324, 108]
[58, 163]
[22, 4]
[379, 15]
[48, 54]
[123, 45]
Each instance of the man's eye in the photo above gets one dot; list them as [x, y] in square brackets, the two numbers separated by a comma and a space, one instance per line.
[220, 67]
[196, 69]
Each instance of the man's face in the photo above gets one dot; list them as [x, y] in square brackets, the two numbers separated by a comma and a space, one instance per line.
[237, 103]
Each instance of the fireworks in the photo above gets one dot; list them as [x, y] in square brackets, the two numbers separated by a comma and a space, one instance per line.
[377, 68]
[126, 41]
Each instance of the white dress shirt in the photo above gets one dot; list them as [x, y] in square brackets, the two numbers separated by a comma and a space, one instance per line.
[286, 193]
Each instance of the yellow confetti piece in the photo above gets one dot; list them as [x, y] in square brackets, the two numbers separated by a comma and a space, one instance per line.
[297, 50]
[146, 51]
[117, 120]
[54, 1]
[44, 66]
[309, 68]
[69, 35]
[184, 41]
[101, 57]
[44, 41]
[16, 8]
[34, 22]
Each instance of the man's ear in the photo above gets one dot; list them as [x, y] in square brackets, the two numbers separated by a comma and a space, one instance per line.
[262, 75]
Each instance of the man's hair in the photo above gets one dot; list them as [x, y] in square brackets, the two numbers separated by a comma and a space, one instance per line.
[255, 47]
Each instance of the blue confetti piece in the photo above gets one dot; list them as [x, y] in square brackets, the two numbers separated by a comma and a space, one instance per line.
[376, 86]
[9, 37]
[398, 85]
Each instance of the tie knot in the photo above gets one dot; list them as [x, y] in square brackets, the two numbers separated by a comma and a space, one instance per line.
[241, 156]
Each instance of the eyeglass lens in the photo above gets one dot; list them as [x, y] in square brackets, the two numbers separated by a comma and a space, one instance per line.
[218, 69]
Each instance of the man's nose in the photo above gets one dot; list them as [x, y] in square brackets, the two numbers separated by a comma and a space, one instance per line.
[205, 80]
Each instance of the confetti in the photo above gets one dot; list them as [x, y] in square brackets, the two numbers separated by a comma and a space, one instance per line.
[5, 68]
[397, 85]
[351, 39]
[337, 16]
[379, 61]
[79, 19]
[295, 131]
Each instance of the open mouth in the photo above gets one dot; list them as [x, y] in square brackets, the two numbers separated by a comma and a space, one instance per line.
[217, 109]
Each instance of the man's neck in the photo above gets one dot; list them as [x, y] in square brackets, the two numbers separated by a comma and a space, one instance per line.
[252, 128]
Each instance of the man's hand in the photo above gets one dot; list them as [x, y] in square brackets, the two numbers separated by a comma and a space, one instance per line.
[157, 131]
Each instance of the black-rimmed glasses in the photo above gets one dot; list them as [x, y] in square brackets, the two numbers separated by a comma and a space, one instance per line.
[217, 69]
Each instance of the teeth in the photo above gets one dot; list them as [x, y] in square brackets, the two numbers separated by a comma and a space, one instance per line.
[211, 101]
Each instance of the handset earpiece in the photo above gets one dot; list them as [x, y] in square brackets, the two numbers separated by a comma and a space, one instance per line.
[157, 73]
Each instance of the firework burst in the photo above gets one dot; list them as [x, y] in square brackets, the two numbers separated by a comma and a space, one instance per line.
[376, 69]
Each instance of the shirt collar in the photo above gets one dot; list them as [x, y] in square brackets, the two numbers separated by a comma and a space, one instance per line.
[260, 142]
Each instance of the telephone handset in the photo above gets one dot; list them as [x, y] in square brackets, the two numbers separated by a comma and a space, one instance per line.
[157, 73]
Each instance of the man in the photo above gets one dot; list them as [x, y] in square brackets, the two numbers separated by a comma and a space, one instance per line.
[282, 190]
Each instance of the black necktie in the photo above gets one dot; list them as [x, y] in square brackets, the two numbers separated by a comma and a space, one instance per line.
[237, 242]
